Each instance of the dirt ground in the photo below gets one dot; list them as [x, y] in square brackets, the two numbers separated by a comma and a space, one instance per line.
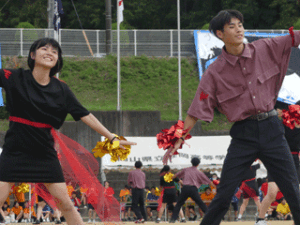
[188, 223]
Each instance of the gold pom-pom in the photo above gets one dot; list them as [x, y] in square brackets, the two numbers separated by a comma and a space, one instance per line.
[23, 188]
[157, 191]
[114, 150]
[168, 177]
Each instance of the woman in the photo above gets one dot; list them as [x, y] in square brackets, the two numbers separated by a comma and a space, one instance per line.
[108, 193]
[37, 103]
[168, 195]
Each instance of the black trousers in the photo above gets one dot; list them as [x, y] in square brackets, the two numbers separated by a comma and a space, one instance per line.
[138, 199]
[188, 191]
[251, 140]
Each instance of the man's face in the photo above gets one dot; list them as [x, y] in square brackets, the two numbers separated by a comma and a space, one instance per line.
[233, 33]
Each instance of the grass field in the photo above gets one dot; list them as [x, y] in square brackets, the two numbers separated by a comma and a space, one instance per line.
[147, 83]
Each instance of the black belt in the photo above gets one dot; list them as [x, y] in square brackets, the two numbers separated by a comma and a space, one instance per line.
[263, 116]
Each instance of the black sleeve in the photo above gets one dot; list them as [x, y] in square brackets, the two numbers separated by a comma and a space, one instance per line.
[74, 107]
[6, 78]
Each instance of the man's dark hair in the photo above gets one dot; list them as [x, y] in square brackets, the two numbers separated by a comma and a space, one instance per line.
[152, 188]
[138, 164]
[41, 43]
[224, 17]
[195, 161]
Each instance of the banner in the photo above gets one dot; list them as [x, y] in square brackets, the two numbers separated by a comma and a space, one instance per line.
[209, 47]
[210, 149]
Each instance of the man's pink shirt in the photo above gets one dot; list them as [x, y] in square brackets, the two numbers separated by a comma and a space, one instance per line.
[193, 177]
[245, 85]
[137, 179]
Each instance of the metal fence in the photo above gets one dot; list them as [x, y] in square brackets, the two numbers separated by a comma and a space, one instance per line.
[133, 42]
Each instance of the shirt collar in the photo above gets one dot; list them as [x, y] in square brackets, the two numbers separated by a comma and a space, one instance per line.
[232, 59]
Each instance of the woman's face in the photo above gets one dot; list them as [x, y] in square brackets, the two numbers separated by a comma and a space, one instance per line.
[45, 56]
[17, 205]
[106, 184]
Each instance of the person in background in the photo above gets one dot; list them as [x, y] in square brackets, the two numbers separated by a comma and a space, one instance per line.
[136, 179]
[123, 200]
[151, 202]
[17, 212]
[26, 217]
[207, 196]
[192, 179]
[75, 200]
[83, 191]
[46, 213]
[190, 209]
[168, 196]
[92, 212]
[249, 189]
[283, 210]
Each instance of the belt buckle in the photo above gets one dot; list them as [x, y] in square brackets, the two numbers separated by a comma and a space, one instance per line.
[262, 116]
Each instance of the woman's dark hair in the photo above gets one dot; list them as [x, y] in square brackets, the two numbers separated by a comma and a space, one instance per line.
[195, 161]
[41, 43]
[138, 164]
[165, 169]
[224, 17]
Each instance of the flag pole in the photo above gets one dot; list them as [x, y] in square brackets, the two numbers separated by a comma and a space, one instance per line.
[118, 57]
[179, 60]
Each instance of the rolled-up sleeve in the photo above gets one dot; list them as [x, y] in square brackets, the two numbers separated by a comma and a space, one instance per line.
[205, 99]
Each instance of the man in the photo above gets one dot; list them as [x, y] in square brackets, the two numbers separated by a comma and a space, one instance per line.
[293, 140]
[243, 83]
[192, 179]
[137, 179]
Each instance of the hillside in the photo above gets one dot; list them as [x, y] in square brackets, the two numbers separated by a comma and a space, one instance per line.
[147, 84]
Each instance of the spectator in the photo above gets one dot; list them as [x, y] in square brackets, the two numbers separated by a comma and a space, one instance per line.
[91, 209]
[17, 212]
[123, 200]
[190, 209]
[207, 196]
[26, 217]
[46, 213]
[108, 194]
[5, 211]
[83, 191]
[283, 210]
[75, 200]
[19, 196]
[152, 202]
[70, 189]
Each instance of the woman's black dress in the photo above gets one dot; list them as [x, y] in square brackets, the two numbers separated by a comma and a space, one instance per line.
[28, 152]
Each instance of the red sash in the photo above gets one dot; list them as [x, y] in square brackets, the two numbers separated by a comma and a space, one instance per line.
[79, 167]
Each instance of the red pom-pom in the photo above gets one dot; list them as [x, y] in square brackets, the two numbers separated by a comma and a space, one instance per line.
[291, 117]
[291, 31]
[168, 137]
